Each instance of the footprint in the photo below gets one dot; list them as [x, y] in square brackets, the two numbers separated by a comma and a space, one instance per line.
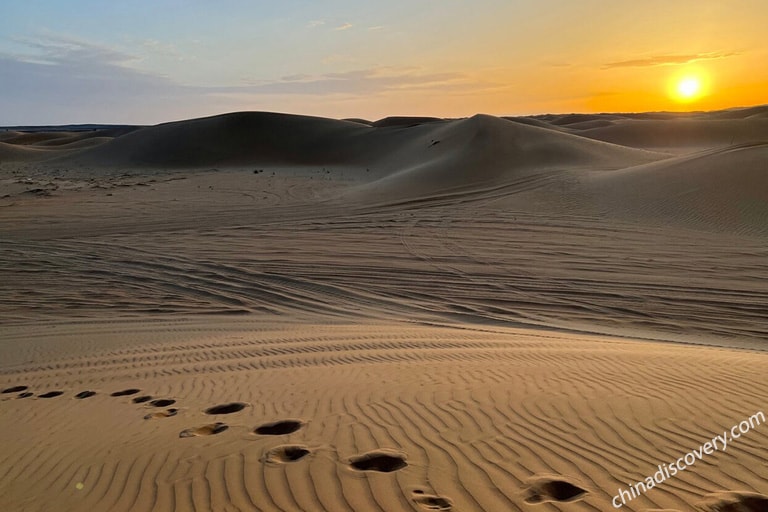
[84, 394]
[125, 392]
[163, 402]
[51, 394]
[545, 488]
[141, 399]
[383, 461]
[734, 501]
[162, 414]
[431, 501]
[286, 453]
[15, 389]
[226, 408]
[205, 430]
[278, 428]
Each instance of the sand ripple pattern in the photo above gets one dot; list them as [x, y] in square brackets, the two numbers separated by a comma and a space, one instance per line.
[390, 417]
[447, 263]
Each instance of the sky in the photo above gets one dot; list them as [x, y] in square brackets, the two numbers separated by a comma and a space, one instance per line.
[152, 61]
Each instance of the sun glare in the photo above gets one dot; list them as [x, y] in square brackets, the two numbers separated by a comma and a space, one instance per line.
[687, 88]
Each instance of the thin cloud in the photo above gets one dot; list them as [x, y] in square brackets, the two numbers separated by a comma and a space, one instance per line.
[161, 49]
[357, 82]
[63, 50]
[345, 26]
[315, 23]
[669, 60]
[296, 78]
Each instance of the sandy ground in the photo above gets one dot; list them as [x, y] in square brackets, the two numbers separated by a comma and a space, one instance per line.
[296, 313]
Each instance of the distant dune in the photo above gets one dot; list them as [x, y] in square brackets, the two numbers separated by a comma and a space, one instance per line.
[16, 153]
[485, 150]
[461, 152]
[260, 138]
[723, 189]
[681, 134]
[228, 140]
[404, 121]
[358, 120]
[399, 158]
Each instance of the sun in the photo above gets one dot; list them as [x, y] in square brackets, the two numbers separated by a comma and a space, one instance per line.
[687, 88]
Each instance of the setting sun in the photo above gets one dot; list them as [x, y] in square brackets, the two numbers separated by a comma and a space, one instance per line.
[689, 86]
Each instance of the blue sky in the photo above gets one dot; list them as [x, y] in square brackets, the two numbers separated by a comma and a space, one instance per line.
[154, 61]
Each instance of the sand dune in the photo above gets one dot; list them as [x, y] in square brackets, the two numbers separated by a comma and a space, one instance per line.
[76, 140]
[230, 140]
[405, 121]
[724, 189]
[28, 139]
[43, 139]
[464, 152]
[400, 157]
[21, 153]
[682, 135]
[267, 312]
[760, 111]
[577, 119]
[358, 120]
[484, 151]
[9, 134]
[42, 145]
[532, 121]
[87, 142]
[683, 132]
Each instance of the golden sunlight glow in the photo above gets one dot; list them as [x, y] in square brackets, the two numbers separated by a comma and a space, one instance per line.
[687, 87]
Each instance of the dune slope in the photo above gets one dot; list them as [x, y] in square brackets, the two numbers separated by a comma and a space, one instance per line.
[723, 189]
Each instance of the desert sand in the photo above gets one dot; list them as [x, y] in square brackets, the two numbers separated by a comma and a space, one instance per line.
[270, 312]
